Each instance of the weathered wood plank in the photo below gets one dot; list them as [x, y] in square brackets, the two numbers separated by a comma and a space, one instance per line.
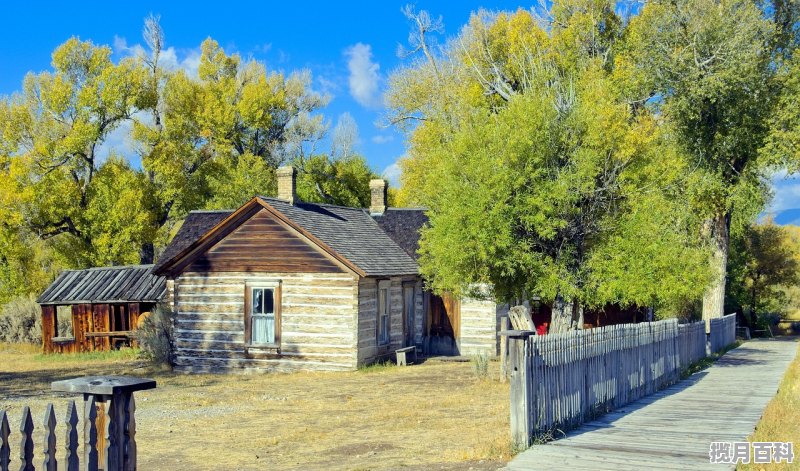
[672, 429]
[71, 438]
[26, 441]
[5, 445]
[49, 443]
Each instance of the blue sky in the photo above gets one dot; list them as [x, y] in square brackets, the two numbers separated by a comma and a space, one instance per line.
[349, 47]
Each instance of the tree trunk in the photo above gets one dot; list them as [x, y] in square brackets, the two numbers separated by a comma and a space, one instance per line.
[717, 229]
[147, 253]
[565, 316]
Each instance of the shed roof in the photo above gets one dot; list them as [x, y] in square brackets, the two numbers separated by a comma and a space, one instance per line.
[128, 284]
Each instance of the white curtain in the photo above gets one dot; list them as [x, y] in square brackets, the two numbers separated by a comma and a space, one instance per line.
[263, 328]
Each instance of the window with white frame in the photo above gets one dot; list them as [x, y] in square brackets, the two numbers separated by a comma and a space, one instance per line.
[263, 314]
[384, 310]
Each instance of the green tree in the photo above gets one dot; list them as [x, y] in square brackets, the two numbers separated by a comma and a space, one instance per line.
[540, 176]
[713, 68]
[51, 141]
[215, 140]
[763, 261]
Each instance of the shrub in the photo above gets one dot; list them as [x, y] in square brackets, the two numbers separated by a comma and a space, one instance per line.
[480, 365]
[155, 335]
[21, 321]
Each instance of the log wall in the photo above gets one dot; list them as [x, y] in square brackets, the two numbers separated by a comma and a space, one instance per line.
[480, 323]
[318, 322]
[368, 349]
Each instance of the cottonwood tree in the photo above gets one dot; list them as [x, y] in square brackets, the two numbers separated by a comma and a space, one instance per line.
[763, 260]
[215, 140]
[714, 70]
[51, 142]
[540, 176]
[206, 141]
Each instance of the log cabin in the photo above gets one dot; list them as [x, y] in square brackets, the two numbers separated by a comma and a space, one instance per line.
[103, 306]
[284, 285]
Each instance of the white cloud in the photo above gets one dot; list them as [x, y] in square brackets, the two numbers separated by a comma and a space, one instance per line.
[170, 59]
[382, 138]
[787, 192]
[365, 75]
[392, 173]
[121, 47]
[327, 87]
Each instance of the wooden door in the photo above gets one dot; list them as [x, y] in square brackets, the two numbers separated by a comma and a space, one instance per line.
[409, 318]
[452, 308]
[444, 325]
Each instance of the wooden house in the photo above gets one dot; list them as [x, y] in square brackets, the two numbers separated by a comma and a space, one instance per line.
[104, 306]
[284, 285]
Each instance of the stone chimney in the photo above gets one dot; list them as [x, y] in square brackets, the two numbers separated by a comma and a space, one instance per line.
[377, 189]
[287, 184]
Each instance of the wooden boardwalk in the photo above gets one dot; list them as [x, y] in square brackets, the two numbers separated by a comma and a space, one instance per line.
[672, 429]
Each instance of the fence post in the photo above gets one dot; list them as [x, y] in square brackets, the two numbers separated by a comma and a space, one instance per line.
[519, 365]
[71, 438]
[26, 441]
[50, 463]
[5, 448]
[109, 399]
[90, 448]
[503, 350]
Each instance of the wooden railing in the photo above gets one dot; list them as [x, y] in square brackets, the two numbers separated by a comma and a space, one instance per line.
[559, 381]
[723, 332]
[109, 428]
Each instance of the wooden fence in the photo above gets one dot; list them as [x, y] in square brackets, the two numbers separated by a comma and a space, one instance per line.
[559, 381]
[49, 463]
[723, 332]
[691, 342]
[108, 431]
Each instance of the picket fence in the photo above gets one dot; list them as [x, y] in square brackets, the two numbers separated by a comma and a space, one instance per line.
[723, 332]
[108, 432]
[559, 381]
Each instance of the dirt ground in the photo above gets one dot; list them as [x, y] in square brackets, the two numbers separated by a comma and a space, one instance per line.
[437, 415]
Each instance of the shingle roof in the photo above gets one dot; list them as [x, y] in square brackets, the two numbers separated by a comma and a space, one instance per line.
[105, 285]
[403, 225]
[196, 224]
[352, 233]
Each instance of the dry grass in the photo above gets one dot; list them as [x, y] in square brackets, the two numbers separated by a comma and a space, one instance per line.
[430, 416]
[781, 419]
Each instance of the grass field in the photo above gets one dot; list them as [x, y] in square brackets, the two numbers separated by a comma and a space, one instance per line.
[437, 415]
[781, 419]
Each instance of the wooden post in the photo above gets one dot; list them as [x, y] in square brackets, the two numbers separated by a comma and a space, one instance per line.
[26, 441]
[49, 463]
[503, 350]
[108, 407]
[71, 438]
[5, 448]
[90, 458]
[129, 442]
[519, 364]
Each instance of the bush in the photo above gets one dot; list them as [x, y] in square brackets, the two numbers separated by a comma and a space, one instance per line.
[21, 321]
[155, 335]
[480, 365]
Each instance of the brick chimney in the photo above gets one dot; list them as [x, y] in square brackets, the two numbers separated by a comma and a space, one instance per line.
[377, 189]
[287, 184]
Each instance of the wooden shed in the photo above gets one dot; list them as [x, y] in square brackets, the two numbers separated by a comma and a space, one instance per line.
[104, 306]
